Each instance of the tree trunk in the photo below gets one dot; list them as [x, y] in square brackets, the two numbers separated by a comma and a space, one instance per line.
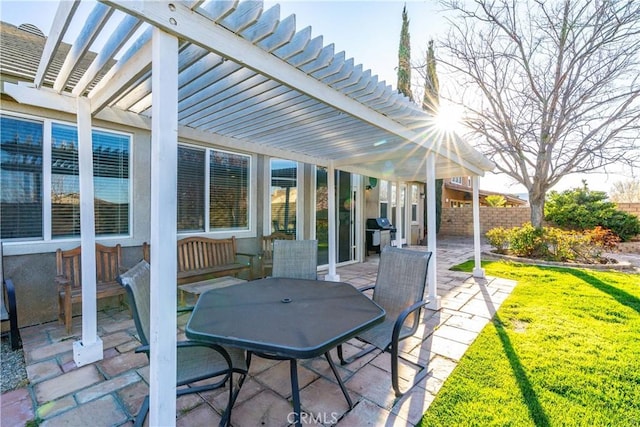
[537, 209]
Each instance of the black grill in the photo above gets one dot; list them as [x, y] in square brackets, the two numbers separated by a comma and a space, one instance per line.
[375, 229]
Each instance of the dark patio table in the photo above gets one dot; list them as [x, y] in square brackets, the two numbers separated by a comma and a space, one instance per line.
[284, 318]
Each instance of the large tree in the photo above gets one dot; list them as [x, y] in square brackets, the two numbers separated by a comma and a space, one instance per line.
[404, 58]
[557, 85]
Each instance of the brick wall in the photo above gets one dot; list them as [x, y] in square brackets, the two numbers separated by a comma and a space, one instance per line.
[632, 208]
[459, 221]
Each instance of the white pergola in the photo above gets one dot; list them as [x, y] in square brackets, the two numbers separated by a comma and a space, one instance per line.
[243, 74]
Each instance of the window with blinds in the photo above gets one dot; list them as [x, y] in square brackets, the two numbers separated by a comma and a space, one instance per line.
[110, 182]
[228, 191]
[191, 185]
[23, 184]
[21, 203]
[213, 190]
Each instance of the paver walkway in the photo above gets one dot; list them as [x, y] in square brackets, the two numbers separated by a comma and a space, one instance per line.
[109, 392]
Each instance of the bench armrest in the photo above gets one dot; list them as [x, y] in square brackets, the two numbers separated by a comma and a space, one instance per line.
[62, 280]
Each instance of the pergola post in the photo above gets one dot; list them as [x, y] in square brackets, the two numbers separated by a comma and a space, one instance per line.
[333, 244]
[164, 155]
[478, 271]
[434, 300]
[89, 349]
[399, 220]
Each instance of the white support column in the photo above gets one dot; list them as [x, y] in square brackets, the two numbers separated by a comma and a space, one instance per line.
[88, 350]
[399, 220]
[333, 243]
[434, 299]
[164, 158]
[407, 213]
[478, 271]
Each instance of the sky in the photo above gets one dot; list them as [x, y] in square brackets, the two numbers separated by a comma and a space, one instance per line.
[367, 30]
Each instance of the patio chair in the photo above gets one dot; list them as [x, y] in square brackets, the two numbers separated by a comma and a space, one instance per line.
[196, 360]
[266, 256]
[295, 259]
[8, 307]
[399, 289]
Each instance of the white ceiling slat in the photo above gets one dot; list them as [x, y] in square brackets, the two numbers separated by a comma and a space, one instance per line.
[345, 72]
[143, 105]
[302, 130]
[121, 78]
[366, 86]
[294, 112]
[218, 9]
[231, 100]
[226, 98]
[297, 44]
[194, 4]
[198, 69]
[354, 78]
[310, 53]
[245, 15]
[61, 22]
[210, 84]
[189, 55]
[94, 23]
[377, 92]
[118, 38]
[282, 35]
[336, 64]
[201, 88]
[238, 105]
[272, 98]
[134, 95]
[386, 97]
[258, 121]
[323, 60]
[265, 26]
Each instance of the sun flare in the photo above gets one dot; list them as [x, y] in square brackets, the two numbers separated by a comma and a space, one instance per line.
[449, 118]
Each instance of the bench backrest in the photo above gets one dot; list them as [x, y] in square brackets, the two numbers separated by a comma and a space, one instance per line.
[267, 243]
[108, 264]
[195, 253]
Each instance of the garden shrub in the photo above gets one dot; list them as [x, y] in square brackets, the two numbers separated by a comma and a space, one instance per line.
[553, 244]
[583, 209]
[527, 241]
[499, 238]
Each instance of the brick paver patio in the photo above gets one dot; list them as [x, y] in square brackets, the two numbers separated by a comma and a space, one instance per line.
[110, 392]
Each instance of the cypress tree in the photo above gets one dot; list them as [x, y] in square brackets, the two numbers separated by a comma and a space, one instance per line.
[404, 58]
[431, 98]
[430, 103]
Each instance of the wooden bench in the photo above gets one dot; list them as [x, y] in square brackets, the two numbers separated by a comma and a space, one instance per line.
[69, 278]
[201, 258]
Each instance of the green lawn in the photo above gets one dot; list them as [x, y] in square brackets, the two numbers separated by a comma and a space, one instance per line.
[563, 350]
